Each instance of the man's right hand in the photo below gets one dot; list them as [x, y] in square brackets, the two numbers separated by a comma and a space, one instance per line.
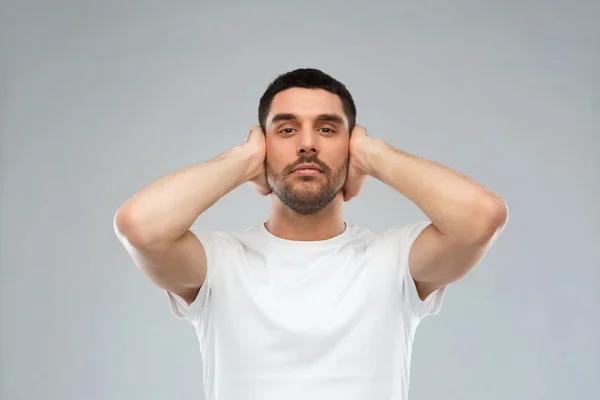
[255, 144]
[154, 224]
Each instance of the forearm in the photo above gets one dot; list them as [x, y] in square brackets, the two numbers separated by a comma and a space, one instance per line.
[167, 208]
[455, 203]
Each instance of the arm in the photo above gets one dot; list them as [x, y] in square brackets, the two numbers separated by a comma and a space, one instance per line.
[154, 224]
[466, 217]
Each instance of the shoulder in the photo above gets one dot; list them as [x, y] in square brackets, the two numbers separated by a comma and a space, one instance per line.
[226, 241]
[212, 236]
[392, 238]
[215, 242]
[404, 235]
[357, 233]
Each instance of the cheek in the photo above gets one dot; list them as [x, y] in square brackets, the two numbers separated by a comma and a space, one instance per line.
[270, 148]
[276, 156]
[338, 157]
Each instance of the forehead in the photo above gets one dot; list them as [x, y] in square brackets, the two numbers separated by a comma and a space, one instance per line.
[306, 103]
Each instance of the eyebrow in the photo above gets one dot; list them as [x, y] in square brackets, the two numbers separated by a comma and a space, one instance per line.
[335, 118]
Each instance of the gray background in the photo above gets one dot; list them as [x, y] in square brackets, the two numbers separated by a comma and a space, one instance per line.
[99, 99]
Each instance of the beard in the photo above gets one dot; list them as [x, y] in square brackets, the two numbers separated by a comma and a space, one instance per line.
[307, 194]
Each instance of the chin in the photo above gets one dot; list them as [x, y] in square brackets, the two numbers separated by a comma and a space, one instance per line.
[309, 186]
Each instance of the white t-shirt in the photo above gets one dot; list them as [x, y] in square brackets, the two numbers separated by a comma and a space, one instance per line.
[318, 320]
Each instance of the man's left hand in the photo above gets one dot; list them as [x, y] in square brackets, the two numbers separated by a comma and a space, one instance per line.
[357, 168]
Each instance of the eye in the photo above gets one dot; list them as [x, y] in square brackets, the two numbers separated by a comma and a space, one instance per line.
[327, 130]
[287, 131]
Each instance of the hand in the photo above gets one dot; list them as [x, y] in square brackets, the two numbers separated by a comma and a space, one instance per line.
[357, 174]
[257, 178]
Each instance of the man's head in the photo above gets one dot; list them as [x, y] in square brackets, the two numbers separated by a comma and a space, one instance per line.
[307, 117]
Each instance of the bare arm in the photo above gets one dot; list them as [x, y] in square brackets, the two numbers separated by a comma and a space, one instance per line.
[466, 217]
[154, 224]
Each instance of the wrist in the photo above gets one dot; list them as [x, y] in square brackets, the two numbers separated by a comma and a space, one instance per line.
[370, 157]
[252, 159]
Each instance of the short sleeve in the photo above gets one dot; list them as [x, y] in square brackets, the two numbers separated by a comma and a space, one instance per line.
[199, 308]
[402, 240]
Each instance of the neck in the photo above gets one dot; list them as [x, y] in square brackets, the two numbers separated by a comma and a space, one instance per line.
[289, 225]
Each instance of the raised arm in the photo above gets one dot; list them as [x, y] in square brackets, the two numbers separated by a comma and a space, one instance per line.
[466, 217]
[154, 224]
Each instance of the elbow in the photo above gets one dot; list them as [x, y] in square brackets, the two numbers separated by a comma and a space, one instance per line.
[491, 219]
[497, 213]
[127, 227]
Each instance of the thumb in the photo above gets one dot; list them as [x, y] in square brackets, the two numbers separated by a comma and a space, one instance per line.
[359, 130]
[255, 130]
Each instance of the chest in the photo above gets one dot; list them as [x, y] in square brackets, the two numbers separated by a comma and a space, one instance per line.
[293, 309]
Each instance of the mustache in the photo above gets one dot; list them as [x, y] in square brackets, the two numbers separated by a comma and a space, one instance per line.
[312, 159]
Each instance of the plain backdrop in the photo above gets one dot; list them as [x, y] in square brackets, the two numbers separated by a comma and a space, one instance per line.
[99, 98]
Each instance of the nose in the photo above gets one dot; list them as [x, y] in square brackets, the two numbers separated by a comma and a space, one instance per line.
[307, 144]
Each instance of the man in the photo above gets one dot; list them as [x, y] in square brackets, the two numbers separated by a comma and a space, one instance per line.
[307, 305]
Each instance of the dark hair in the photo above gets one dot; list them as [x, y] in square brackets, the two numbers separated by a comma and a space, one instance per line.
[308, 78]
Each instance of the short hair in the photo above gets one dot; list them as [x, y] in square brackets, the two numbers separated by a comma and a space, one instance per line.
[308, 78]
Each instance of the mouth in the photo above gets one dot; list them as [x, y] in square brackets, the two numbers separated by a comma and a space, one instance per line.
[307, 169]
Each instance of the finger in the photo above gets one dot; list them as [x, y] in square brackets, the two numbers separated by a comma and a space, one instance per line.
[260, 189]
[265, 189]
[261, 185]
[359, 130]
[350, 185]
[255, 130]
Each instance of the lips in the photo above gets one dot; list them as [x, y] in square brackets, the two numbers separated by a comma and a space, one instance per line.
[307, 167]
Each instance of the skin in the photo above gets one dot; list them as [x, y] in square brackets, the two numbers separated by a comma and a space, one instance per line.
[306, 207]
[153, 225]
